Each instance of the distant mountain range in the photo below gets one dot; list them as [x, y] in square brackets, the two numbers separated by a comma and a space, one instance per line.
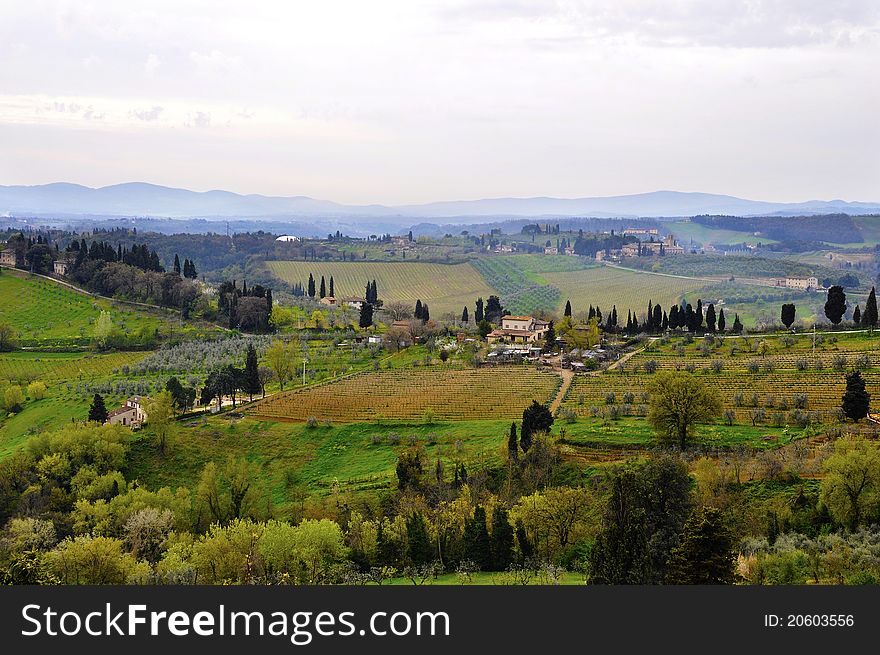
[142, 199]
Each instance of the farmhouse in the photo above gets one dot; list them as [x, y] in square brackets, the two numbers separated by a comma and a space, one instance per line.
[665, 247]
[802, 283]
[518, 329]
[329, 300]
[12, 258]
[640, 231]
[551, 250]
[354, 302]
[61, 266]
[131, 414]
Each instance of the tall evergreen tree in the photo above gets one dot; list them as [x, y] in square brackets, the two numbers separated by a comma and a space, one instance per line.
[417, 313]
[722, 322]
[366, 316]
[332, 290]
[311, 287]
[737, 325]
[501, 540]
[705, 554]
[549, 338]
[787, 314]
[176, 264]
[869, 316]
[567, 311]
[710, 318]
[658, 320]
[98, 410]
[479, 316]
[251, 377]
[477, 546]
[323, 291]
[426, 312]
[649, 318]
[857, 316]
[536, 419]
[856, 399]
[464, 315]
[835, 305]
[418, 544]
[512, 446]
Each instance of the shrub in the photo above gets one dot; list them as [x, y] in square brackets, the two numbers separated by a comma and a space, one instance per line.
[863, 361]
[838, 362]
[729, 416]
[801, 364]
[629, 397]
[311, 422]
[800, 400]
[614, 412]
[36, 390]
[753, 366]
[651, 366]
[717, 366]
[610, 398]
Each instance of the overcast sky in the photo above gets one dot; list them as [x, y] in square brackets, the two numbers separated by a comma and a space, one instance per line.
[411, 101]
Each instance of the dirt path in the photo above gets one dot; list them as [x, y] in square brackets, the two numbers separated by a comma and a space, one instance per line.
[567, 377]
[615, 365]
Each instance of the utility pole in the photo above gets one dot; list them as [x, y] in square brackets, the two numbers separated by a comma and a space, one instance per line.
[304, 372]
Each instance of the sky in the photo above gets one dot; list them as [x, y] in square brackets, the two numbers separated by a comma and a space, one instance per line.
[417, 101]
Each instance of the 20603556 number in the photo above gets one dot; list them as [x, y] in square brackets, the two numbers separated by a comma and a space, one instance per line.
[820, 620]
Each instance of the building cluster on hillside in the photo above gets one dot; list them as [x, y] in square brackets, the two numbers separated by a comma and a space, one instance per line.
[519, 329]
[131, 414]
[802, 283]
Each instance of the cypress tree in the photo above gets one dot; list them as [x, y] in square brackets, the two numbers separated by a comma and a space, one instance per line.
[251, 373]
[502, 539]
[526, 549]
[857, 315]
[664, 321]
[710, 318]
[418, 310]
[737, 325]
[512, 446]
[176, 264]
[464, 315]
[550, 338]
[856, 399]
[722, 322]
[366, 317]
[567, 311]
[477, 545]
[649, 318]
[869, 316]
[426, 313]
[323, 288]
[332, 290]
[835, 305]
[98, 410]
[418, 550]
[311, 287]
[478, 311]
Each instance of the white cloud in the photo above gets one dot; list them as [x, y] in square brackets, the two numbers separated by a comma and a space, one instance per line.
[152, 65]
[407, 100]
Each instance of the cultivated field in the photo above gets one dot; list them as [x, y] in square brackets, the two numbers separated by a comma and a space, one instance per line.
[22, 366]
[445, 287]
[607, 286]
[43, 312]
[410, 394]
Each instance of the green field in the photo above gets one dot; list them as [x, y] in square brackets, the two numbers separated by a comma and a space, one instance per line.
[25, 366]
[686, 233]
[47, 313]
[607, 286]
[445, 287]
[351, 457]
